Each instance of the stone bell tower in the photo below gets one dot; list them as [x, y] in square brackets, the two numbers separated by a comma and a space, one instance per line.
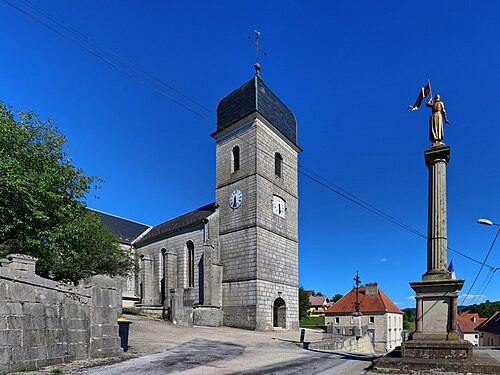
[257, 194]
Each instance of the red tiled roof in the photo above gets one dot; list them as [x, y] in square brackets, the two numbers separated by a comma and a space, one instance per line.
[317, 300]
[467, 324]
[375, 303]
[491, 325]
[309, 292]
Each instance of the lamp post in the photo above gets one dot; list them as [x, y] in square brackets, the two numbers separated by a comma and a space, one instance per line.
[489, 223]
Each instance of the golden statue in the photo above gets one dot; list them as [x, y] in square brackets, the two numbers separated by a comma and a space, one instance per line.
[436, 131]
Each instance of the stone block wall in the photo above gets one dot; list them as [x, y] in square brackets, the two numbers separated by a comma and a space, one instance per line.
[345, 344]
[43, 322]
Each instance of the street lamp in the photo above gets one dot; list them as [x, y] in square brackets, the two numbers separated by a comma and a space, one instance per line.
[489, 223]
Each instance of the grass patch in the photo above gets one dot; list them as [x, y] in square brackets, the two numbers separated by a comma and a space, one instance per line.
[28, 368]
[56, 371]
[312, 321]
[132, 311]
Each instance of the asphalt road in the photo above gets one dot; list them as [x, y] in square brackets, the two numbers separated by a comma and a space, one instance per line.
[201, 356]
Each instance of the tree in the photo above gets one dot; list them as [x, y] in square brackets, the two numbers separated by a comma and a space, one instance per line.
[484, 309]
[409, 318]
[336, 297]
[42, 204]
[303, 303]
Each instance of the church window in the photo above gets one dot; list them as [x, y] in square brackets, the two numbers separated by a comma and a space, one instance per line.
[236, 158]
[190, 259]
[162, 275]
[278, 164]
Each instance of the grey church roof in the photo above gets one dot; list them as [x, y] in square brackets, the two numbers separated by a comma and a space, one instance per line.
[190, 219]
[125, 230]
[255, 96]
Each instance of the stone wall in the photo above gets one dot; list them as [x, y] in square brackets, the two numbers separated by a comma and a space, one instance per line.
[43, 322]
[345, 344]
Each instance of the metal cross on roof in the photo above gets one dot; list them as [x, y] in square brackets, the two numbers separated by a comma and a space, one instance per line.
[357, 281]
[257, 50]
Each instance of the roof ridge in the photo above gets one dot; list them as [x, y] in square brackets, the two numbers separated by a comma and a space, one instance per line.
[187, 213]
[118, 217]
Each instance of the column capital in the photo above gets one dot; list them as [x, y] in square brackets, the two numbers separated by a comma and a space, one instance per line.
[436, 153]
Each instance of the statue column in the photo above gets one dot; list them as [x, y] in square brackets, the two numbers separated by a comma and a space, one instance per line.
[436, 159]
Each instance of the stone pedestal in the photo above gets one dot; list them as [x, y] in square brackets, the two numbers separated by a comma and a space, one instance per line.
[436, 309]
[435, 349]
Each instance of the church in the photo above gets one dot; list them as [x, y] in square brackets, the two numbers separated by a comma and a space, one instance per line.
[233, 262]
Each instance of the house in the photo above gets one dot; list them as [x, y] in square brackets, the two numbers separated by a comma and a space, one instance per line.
[383, 319]
[317, 305]
[489, 331]
[466, 324]
[233, 262]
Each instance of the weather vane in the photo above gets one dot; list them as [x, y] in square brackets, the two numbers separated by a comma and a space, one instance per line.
[257, 49]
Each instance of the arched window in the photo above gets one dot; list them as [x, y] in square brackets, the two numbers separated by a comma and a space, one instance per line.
[190, 260]
[278, 164]
[162, 275]
[235, 158]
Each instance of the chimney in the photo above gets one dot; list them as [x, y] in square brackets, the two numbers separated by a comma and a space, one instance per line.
[371, 289]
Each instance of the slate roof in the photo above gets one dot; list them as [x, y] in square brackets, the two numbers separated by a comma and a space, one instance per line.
[317, 300]
[180, 222]
[491, 325]
[125, 230]
[368, 304]
[255, 96]
[468, 322]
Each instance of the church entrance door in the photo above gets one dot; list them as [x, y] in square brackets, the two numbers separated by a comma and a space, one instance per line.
[279, 313]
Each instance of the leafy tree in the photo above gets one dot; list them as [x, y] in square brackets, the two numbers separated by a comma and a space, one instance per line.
[485, 309]
[336, 297]
[42, 204]
[409, 318]
[303, 303]
[319, 294]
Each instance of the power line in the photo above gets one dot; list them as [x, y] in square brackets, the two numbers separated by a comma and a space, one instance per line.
[310, 174]
[106, 60]
[111, 52]
[482, 265]
[483, 286]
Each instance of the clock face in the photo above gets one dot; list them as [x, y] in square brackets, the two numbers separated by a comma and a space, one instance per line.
[278, 206]
[235, 199]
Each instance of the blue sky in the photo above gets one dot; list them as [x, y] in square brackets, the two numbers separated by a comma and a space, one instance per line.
[348, 71]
